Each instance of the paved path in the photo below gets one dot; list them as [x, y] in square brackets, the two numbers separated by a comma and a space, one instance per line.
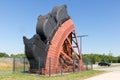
[6, 72]
[114, 74]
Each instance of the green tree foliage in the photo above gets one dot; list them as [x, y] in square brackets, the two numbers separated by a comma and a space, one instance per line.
[2, 54]
[118, 59]
[101, 58]
[18, 55]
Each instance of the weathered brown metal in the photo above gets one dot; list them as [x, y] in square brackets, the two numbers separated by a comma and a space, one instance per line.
[56, 47]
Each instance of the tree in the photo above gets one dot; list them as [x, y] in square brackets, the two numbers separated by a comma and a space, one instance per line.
[2, 54]
[118, 59]
[101, 57]
[18, 55]
[110, 57]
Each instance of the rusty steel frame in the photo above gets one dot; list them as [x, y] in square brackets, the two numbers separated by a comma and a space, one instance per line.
[61, 38]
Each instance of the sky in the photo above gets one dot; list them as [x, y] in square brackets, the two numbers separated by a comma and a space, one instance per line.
[99, 19]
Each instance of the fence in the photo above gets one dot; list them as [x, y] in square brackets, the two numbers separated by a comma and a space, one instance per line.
[13, 64]
[22, 65]
[88, 63]
[6, 64]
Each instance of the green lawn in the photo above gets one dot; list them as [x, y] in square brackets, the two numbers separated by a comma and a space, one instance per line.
[71, 76]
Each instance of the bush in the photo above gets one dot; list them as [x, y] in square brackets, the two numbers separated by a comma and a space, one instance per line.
[3, 54]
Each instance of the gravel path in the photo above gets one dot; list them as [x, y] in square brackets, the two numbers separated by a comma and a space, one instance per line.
[106, 76]
[113, 74]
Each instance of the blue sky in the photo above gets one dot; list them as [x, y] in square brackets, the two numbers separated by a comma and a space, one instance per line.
[99, 19]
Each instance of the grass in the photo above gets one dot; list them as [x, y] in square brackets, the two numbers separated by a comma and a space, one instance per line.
[5, 67]
[71, 76]
[6, 64]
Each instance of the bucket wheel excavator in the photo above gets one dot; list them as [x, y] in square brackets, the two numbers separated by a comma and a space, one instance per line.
[54, 43]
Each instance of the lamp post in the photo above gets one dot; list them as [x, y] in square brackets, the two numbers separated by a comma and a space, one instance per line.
[81, 42]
